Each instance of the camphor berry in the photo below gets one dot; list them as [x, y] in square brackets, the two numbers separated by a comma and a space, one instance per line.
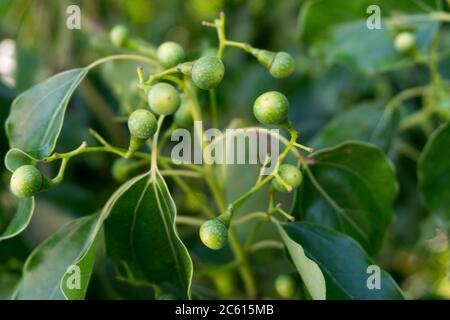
[122, 168]
[118, 35]
[405, 42]
[142, 124]
[214, 234]
[170, 54]
[286, 286]
[289, 176]
[163, 98]
[280, 64]
[26, 181]
[271, 108]
[183, 117]
[207, 72]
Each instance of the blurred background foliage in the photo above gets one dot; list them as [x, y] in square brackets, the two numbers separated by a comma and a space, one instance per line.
[345, 76]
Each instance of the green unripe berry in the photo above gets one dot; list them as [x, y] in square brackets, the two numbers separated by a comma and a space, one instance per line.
[288, 176]
[26, 181]
[142, 124]
[271, 108]
[122, 168]
[118, 35]
[183, 117]
[207, 72]
[405, 42]
[282, 66]
[214, 234]
[170, 54]
[286, 286]
[163, 98]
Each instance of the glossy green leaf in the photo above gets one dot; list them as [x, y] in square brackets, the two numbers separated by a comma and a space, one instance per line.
[37, 115]
[434, 172]
[367, 123]
[309, 271]
[336, 31]
[61, 266]
[350, 188]
[16, 158]
[344, 264]
[21, 219]
[141, 236]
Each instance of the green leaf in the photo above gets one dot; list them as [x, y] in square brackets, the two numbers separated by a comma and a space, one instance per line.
[16, 158]
[350, 188]
[343, 263]
[8, 282]
[21, 219]
[434, 172]
[61, 266]
[37, 115]
[336, 31]
[368, 123]
[141, 236]
[307, 268]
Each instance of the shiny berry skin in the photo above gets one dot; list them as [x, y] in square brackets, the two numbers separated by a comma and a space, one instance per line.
[118, 35]
[282, 66]
[405, 42]
[142, 124]
[271, 108]
[290, 175]
[170, 54]
[163, 98]
[286, 286]
[183, 117]
[207, 72]
[26, 181]
[214, 234]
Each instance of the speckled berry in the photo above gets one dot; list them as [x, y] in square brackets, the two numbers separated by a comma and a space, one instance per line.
[290, 175]
[170, 54]
[142, 124]
[163, 98]
[207, 72]
[405, 42]
[286, 286]
[214, 234]
[282, 66]
[26, 181]
[118, 35]
[271, 108]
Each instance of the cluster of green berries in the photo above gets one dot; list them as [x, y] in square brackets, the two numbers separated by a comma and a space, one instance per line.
[286, 286]
[26, 181]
